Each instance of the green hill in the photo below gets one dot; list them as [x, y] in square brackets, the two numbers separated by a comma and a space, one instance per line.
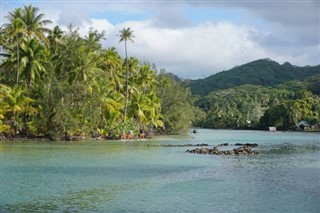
[263, 72]
[282, 105]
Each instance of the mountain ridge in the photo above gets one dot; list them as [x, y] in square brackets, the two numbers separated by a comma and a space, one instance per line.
[265, 72]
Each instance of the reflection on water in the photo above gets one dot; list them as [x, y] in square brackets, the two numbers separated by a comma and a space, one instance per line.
[287, 148]
[134, 177]
[83, 200]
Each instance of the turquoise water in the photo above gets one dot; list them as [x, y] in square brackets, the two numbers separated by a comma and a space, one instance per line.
[123, 176]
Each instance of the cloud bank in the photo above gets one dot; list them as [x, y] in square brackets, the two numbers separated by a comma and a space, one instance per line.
[192, 39]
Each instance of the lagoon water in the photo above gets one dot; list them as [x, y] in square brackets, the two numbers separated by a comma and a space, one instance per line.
[130, 176]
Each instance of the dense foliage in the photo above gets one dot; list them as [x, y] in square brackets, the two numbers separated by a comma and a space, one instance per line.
[260, 72]
[257, 107]
[176, 104]
[60, 85]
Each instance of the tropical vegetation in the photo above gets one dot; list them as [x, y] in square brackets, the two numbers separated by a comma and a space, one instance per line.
[258, 95]
[60, 85]
[257, 107]
[263, 72]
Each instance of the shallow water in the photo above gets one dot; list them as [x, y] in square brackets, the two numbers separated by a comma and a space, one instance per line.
[130, 176]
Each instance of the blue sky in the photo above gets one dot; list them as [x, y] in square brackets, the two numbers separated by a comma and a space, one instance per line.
[195, 39]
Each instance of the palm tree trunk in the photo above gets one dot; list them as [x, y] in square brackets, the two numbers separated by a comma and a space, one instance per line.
[18, 61]
[127, 83]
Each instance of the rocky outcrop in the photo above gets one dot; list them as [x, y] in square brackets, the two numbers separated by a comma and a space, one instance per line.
[243, 150]
[2, 137]
[74, 138]
[178, 145]
[247, 144]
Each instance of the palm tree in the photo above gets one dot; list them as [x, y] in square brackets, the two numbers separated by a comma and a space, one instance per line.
[28, 23]
[133, 65]
[93, 39]
[3, 43]
[154, 115]
[15, 29]
[139, 108]
[111, 105]
[15, 105]
[146, 78]
[34, 23]
[112, 64]
[125, 35]
[55, 38]
[33, 59]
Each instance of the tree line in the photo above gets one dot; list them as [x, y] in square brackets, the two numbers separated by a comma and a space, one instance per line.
[257, 107]
[60, 85]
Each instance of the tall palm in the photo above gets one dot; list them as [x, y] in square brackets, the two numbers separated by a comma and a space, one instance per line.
[139, 108]
[16, 26]
[153, 115]
[112, 64]
[55, 38]
[26, 22]
[126, 34]
[111, 105]
[133, 67]
[9, 65]
[33, 60]
[15, 30]
[4, 43]
[93, 39]
[35, 25]
[146, 78]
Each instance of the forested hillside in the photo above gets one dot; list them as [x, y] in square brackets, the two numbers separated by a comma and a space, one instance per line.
[263, 72]
[258, 107]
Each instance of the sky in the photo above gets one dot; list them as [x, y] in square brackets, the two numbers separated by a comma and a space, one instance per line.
[195, 38]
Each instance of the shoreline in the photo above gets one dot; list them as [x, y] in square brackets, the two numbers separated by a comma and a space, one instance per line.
[86, 139]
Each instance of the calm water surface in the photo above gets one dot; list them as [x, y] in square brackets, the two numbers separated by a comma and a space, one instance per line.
[122, 176]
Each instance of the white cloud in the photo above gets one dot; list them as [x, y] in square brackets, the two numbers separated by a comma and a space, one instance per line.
[96, 24]
[196, 51]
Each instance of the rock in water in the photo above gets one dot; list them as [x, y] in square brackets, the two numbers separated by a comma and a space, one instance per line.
[244, 150]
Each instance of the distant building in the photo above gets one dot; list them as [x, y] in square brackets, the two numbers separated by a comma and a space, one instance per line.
[272, 129]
